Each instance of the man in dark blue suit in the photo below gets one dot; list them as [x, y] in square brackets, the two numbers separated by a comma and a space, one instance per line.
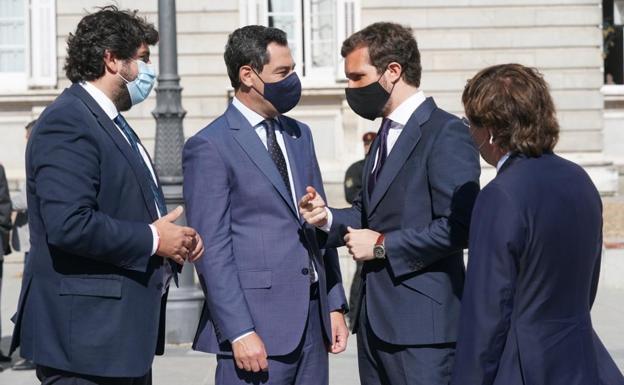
[274, 299]
[535, 246]
[91, 310]
[410, 223]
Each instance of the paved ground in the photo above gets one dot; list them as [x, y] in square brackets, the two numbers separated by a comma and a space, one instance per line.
[181, 366]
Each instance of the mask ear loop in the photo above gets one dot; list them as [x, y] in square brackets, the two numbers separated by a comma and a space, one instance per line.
[263, 82]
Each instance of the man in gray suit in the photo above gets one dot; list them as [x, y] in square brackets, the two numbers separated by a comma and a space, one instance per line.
[274, 299]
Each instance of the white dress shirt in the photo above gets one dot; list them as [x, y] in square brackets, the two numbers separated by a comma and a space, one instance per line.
[111, 111]
[399, 118]
[502, 161]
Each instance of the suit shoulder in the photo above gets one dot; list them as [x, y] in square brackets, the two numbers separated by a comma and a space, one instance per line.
[65, 114]
[213, 130]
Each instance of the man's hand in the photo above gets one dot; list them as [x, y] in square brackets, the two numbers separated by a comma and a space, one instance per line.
[177, 242]
[199, 249]
[340, 332]
[312, 208]
[249, 354]
[361, 243]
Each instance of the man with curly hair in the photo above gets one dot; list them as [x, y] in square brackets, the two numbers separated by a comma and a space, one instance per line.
[103, 248]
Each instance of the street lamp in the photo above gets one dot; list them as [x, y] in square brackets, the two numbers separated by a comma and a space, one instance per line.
[185, 301]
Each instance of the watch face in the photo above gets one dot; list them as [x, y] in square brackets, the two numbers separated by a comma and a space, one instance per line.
[379, 251]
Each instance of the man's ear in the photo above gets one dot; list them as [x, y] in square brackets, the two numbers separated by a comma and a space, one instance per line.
[110, 62]
[245, 74]
[395, 70]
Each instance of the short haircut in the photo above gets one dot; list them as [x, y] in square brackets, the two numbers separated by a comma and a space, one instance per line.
[514, 103]
[387, 43]
[121, 32]
[248, 46]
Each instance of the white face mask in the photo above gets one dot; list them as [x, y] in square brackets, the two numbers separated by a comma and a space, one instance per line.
[142, 85]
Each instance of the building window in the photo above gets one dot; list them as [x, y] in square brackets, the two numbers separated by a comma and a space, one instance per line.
[613, 45]
[27, 44]
[315, 29]
[13, 39]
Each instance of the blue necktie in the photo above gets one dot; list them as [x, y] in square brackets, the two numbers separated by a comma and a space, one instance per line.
[134, 141]
[381, 157]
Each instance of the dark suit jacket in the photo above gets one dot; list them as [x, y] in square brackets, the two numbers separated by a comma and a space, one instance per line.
[92, 294]
[5, 215]
[255, 268]
[535, 246]
[422, 203]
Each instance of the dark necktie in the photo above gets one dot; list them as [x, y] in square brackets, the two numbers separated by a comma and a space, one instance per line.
[276, 153]
[134, 143]
[280, 162]
[382, 154]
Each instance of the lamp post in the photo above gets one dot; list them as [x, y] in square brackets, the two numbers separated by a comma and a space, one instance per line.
[184, 302]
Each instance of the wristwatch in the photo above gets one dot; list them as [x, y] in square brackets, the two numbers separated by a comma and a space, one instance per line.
[379, 251]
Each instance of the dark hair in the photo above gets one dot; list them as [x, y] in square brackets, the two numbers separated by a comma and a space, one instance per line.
[514, 103]
[387, 43]
[248, 46]
[30, 124]
[121, 32]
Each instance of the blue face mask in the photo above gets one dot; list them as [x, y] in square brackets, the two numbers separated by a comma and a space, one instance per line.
[140, 87]
[284, 94]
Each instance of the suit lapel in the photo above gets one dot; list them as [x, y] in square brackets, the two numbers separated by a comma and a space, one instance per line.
[121, 144]
[409, 137]
[247, 138]
[292, 135]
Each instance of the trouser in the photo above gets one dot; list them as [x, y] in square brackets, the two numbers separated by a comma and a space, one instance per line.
[307, 365]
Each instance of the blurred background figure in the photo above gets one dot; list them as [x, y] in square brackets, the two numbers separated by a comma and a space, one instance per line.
[535, 246]
[352, 187]
[20, 236]
[5, 228]
[353, 176]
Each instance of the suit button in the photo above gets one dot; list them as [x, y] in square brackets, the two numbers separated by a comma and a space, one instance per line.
[305, 271]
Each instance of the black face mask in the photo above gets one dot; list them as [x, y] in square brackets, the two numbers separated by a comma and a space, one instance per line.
[368, 101]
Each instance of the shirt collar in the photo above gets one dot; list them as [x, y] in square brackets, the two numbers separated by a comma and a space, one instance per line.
[404, 111]
[101, 99]
[502, 161]
[252, 116]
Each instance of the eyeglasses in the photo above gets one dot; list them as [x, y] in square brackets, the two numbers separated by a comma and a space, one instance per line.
[472, 129]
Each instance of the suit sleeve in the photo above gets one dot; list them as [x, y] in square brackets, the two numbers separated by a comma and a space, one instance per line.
[207, 198]
[497, 239]
[336, 297]
[65, 163]
[343, 218]
[453, 175]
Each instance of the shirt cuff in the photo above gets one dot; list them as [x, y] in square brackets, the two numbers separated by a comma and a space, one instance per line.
[156, 239]
[243, 335]
[330, 219]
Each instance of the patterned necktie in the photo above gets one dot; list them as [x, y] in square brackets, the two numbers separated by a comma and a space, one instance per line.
[382, 154]
[134, 141]
[276, 153]
[280, 162]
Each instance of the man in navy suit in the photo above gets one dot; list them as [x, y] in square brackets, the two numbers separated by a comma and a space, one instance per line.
[274, 299]
[535, 246]
[91, 309]
[410, 223]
